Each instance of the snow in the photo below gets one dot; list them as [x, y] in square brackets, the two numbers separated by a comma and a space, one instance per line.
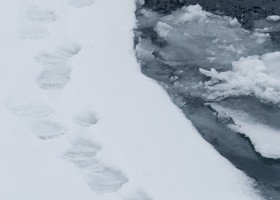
[272, 63]
[80, 121]
[264, 138]
[273, 18]
[253, 75]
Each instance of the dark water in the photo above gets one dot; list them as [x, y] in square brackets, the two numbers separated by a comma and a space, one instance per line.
[237, 148]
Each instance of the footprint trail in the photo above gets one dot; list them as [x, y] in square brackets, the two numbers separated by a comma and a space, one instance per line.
[40, 119]
[57, 72]
[100, 178]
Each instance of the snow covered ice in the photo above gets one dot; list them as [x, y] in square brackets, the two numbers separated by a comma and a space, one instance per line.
[80, 121]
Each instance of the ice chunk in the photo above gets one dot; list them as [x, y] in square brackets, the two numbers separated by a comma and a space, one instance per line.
[249, 76]
[163, 29]
[265, 139]
[188, 14]
[144, 50]
[273, 18]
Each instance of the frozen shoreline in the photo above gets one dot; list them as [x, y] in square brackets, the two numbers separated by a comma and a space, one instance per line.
[80, 67]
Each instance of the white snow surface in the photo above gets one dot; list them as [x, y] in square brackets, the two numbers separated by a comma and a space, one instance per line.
[80, 121]
[264, 138]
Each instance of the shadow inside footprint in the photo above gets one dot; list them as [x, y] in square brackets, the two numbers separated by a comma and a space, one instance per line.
[38, 117]
[101, 179]
[105, 180]
[57, 72]
[81, 3]
[87, 119]
[54, 78]
[60, 56]
[82, 149]
[48, 129]
[41, 15]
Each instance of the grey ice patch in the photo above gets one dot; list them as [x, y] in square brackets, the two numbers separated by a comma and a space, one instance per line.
[87, 119]
[81, 3]
[101, 179]
[33, 32]
[48, 129]
[41, 15]
[54, 78]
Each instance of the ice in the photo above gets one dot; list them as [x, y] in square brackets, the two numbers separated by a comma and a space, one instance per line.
[196, 36]
[163, 29]
[145, 50]
[249, 76]
[273, 17]
[272, 63]
[264, 138]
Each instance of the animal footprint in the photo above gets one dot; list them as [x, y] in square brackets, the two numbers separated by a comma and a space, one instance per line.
[48, 129]
[87, 119]
[57, 72]
[81, 3]
[101, 179]
[82, 149]
[39, 119]
[105, 180]
[40, 15]
[54, 78]
[33, 32]
[60, 56]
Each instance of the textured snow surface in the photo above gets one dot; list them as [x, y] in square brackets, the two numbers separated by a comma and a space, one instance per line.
[79, 120]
